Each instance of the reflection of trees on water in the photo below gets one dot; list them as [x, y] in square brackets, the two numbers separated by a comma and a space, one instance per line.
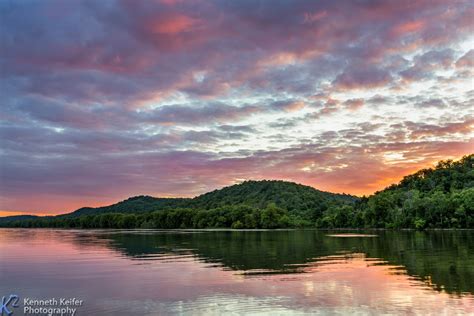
[442, 259]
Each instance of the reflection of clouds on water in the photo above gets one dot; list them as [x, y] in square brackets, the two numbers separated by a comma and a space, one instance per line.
[228, 305]
[355, 281]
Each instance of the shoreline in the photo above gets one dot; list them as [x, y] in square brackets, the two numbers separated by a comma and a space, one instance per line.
[242, 230]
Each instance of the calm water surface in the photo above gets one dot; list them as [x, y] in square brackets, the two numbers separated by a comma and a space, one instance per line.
[242, 272]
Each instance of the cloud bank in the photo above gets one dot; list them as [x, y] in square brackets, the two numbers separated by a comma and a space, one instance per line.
[102, 100]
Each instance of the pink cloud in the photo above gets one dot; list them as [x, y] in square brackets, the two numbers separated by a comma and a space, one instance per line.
[173, 24]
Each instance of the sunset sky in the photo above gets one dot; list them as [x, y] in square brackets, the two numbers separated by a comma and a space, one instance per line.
[102, 100]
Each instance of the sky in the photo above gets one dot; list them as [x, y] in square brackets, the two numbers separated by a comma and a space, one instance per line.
[103, 100]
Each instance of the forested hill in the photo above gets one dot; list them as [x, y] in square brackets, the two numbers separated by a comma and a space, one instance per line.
[290, 196]
[447, 176]
[440, 197]
[295, 198]
[137, 204]
[16, 218]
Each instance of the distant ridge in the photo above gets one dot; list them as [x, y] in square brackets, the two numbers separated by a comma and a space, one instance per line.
[8, 219]
[136, 204]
